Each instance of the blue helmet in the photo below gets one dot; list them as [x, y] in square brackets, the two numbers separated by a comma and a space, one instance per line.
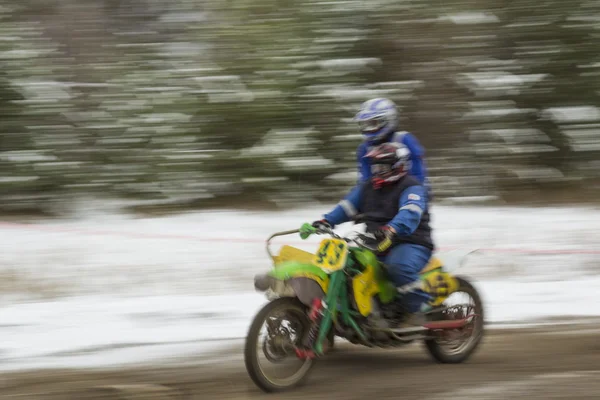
[377, 119]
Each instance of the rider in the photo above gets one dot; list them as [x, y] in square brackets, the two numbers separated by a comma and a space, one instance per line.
[395, 210]
[378, 122]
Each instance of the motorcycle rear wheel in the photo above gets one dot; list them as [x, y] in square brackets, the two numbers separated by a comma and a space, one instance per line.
[439, 348]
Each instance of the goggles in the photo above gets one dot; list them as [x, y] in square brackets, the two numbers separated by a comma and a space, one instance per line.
[380, 169]
[371, 125]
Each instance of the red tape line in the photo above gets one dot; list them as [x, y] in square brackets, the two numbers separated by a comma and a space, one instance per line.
[138, 235]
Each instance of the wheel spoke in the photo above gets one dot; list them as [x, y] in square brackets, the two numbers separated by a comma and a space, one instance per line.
[454, 342]
[275, 364]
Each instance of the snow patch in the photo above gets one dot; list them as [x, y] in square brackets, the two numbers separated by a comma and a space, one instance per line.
[105, 288]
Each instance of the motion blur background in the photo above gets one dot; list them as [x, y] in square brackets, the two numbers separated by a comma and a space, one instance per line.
[248, 103]
[236, 115]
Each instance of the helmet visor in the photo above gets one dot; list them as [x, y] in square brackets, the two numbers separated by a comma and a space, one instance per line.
[381, 169]
[371, 125]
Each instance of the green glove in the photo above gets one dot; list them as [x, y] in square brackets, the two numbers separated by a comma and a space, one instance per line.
[306, 230]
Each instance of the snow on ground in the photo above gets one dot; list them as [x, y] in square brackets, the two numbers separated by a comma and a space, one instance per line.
[108, 289]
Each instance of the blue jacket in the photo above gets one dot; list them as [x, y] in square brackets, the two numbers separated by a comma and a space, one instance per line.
[418, 169]
[411, 206]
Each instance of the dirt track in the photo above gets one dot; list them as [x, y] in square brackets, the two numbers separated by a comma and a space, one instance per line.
[543, 363]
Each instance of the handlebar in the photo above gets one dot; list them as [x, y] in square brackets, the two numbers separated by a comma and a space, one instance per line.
[327, 231]
[282, 233]
[360, 242]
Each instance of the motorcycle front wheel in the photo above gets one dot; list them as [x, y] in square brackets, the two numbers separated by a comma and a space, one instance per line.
[287, 323]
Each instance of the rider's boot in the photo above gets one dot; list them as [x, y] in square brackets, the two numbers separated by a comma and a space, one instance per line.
[417, 319]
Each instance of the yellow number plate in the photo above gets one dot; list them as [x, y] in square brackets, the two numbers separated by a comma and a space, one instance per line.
[332, 255]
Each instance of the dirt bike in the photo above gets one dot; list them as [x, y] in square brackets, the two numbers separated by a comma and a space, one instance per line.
[343, 290]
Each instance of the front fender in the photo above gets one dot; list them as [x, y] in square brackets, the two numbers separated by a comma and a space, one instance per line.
[294, 279]
[294, 269]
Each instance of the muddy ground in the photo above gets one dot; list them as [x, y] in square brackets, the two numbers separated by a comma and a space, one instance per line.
[550, 362]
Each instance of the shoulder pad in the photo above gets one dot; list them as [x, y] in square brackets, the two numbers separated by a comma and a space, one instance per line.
[398, 136]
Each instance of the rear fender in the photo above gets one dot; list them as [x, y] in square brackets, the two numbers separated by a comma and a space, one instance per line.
[439, 284]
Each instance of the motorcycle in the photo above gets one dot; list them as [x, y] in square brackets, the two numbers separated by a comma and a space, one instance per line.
[342, 290]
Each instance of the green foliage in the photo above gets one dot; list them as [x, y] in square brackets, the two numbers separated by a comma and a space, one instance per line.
[252, 100]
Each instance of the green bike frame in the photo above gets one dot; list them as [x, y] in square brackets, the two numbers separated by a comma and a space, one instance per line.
[336, 302]
[365, 273]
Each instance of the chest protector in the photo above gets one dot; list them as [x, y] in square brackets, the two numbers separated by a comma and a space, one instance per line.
[380, 206]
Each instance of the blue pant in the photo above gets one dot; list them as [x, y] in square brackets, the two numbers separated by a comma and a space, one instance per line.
[404, 262]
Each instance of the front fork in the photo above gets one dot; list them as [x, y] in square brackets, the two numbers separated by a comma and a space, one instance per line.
[323, 314]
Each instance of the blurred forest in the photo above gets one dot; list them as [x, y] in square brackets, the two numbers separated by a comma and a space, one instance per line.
[249, 102]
